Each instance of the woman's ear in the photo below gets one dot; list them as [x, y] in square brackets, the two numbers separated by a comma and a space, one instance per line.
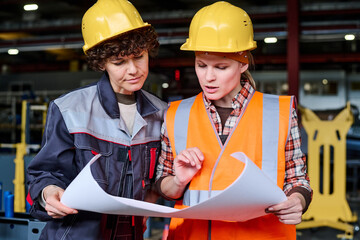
[102, 68]
[244, 67]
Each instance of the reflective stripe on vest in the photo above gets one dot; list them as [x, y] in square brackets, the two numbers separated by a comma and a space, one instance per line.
[269, 142]
[193, 197]
[181, 123]
[270, 135]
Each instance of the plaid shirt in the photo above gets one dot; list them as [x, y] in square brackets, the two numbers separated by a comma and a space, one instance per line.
[295, 169]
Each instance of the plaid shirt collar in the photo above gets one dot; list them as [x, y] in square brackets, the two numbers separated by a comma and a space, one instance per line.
[238, 101]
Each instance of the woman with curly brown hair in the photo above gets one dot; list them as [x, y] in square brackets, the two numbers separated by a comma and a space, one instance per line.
[113, 117]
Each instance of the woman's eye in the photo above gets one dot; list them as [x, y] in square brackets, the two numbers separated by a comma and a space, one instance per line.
[118, 63]
[138, 57]
[201, 65]
[222, 67]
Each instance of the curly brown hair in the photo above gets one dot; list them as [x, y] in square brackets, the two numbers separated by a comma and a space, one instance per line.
[130, 43]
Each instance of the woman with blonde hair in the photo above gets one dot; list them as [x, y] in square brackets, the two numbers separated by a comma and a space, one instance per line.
[229, 115]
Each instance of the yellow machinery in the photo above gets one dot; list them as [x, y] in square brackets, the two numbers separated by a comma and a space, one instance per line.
[22, 149]
[19, 180]
[327, 155]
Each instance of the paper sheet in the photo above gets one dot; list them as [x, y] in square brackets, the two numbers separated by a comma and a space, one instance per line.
[246, 198]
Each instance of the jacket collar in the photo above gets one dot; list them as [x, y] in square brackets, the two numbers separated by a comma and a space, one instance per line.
[108, 100]
[144, 106]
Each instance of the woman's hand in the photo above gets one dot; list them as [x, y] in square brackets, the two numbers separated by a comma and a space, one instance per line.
[54, 208]
[290, 211]
[187, 164]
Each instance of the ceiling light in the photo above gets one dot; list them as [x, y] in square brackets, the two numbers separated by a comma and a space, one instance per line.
[13, 51]
[30, 7]
[307, 87]
[349, 37]
[325, 81]
[270, 40]
[165, 85]
[285, 87]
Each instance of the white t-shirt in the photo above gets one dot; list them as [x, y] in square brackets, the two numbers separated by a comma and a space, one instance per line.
[128, 111]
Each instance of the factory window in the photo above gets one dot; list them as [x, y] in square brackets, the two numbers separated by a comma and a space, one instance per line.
[323, 87]
[270, 87]
[273, 87]
[355, 86]
[21, 87]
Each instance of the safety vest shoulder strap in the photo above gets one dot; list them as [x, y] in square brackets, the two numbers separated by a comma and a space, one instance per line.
[178, 114]
[270, 131]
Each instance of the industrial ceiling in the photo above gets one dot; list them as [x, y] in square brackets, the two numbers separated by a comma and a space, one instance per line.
[49, 39]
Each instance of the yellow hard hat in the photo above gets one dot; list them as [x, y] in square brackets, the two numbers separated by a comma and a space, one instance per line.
[220, 27]
[107, 19]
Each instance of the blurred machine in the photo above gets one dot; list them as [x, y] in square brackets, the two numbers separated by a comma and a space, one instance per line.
[21, 225]
[327, 172]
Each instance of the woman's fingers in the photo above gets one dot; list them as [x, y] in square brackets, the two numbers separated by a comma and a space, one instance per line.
[192, 156]
[290, 211]
[54, 208]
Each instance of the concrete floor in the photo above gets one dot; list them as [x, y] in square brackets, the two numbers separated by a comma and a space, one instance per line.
[321, 233]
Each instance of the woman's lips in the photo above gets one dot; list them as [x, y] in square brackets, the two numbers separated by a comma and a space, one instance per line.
[134, 80]
[210, 89]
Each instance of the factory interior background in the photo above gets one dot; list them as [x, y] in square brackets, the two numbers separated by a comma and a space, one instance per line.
[306, 48]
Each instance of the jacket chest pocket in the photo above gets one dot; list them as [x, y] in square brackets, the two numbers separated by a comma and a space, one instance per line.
[86, 148]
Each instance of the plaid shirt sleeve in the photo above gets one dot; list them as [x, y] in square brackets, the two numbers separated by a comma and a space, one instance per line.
[166, 158]
[295, 165]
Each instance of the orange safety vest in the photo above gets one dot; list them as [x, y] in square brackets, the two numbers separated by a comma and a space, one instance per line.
[261, 133]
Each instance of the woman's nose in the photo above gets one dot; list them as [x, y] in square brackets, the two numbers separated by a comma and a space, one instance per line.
[132, 68]
[209, 75]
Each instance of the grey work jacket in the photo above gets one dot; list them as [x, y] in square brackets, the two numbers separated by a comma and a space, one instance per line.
[81, 124]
